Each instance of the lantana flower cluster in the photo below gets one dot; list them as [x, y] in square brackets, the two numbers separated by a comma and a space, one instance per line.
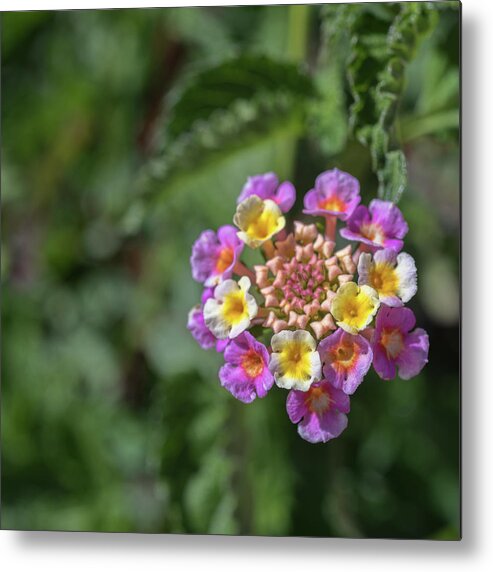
[312, 318]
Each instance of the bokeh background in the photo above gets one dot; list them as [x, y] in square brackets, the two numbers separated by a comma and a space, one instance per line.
[124, 134]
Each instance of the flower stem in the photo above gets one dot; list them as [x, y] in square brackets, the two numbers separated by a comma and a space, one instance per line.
[242, 270]
[330, 227]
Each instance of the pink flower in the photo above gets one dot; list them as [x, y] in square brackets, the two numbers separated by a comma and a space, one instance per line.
[336, 193]
[267, 187]
[320, 412]
[347, 359]
[379, 226]
[214, 255]
[246, 373]
[196, 325]
[395, 346]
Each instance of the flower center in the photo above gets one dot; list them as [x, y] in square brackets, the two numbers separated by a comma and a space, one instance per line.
[264, 226]
[300, 279]
[252, 363]
[318, 400]
[224, 260]
[234, 307]
[393, 342]
[384, 279]
[344, 352]
[333, 203]
[295, 360]
[373, 232]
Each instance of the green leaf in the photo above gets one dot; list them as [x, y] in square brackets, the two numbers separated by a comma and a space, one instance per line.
[392, 177]
[382, 42]
[226, 108]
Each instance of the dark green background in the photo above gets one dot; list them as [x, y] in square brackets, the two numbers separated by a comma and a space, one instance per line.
[113, 419]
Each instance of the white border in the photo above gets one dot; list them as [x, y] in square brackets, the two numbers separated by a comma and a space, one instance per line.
[82, 552]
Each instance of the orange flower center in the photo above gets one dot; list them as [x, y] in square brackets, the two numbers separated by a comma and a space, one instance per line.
[344, 355]
[225, 259]
[393, 342]
[333, 203]
[252, 363]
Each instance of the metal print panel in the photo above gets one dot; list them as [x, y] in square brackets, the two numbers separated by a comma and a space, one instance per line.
[230, 270]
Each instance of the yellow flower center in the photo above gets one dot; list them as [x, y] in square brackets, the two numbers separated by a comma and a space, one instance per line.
[225, 259]
[384, 279]
[262, 227]
[354, 306]
[295, 360]
[252, 363]
[234, 307]
[393, 342]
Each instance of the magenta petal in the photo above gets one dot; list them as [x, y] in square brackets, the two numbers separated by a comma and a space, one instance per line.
[389, 217]
[383, 222]
[319, 412]
[206, 294]
[228, 236]
[346, 379]
[264, 186]
[207, 250]
[233, 379]
[204, 256]
[201, 333]
[382, 364]
[340, 400]
[320, 429]
[221, 345]
[333, 185]
[236, 379]
[296, 406]
[264, 382]
[402, 319]
[285, 196]
[415, 354]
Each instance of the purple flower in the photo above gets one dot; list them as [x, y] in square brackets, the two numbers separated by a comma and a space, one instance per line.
[319, 412]
[394, 345]
[379, 226]
[246, 373]
[347, 359]
[203, 336]
[267, 187]
[196, 325]
[336, 193]
[214, 255]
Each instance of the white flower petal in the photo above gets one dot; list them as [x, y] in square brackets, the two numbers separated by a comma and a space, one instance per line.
[408, 276]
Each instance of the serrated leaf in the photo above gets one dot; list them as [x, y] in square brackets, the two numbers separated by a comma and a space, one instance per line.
[225, 108]
[392, 178]
[376, 67]
[237, 79]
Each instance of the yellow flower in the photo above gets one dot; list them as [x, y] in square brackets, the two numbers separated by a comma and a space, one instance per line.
[231, 310]
[392, 275]
[258, 220]
[295, 363]
[353, 306]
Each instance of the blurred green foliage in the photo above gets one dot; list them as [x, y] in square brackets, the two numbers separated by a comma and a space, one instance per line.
[127, 132]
